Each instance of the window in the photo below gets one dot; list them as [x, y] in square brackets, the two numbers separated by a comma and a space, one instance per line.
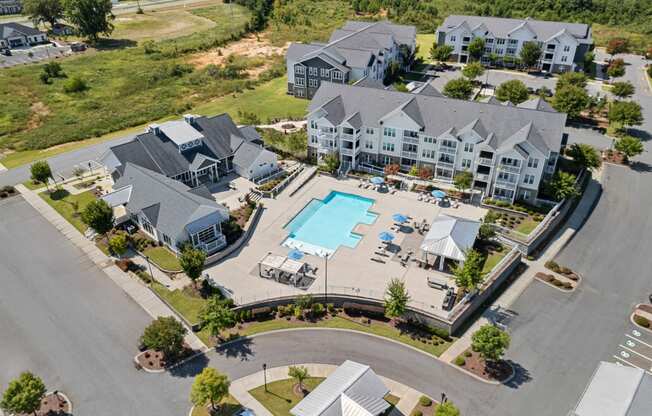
[528, 179]
[466, 163]
[533, 163]
[511, 51]
[324, 72]
[206, 235]
[337, 75]
[551, 47]
[368, 144]
[313, 139]
[300, 93]
[513, 41]
[411, 134]
[167, 240]
[548, 56]
[449, 143]
[389, 132]
[388, 147]
[385, 160]
[564, 58]
[526, 194]
[500, 51]
[489, 41]
[312, 82]
[301, 82]
[312, 71]
[452, 38]
[408, 147]
[428, 154]
[313, 124]
[147, 226]
[446, 158]
[500, 41]
[487, 49]
[300, 70]
[369, 130]
[566, 48]
[468, 147]
[429, 140]
[466, 39]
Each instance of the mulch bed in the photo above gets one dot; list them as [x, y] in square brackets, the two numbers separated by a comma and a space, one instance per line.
[613, 156]
[53, 405]
[548, 278]
[155, 360]
[7, 191]
[493, 371]
[645, 308]
[423, 410]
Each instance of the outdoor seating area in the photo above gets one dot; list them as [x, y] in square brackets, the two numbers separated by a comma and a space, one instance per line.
[437, 197]
[377, 183]
[287, 270]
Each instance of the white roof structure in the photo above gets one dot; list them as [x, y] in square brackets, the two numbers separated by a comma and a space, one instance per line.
[353, 389]
[450, 236]
[616, 390]
[180, 132]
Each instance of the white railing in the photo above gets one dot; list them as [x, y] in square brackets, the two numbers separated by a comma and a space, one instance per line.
[411, 155]
[504, 183]
[347, 136]
[411, 140]
[446, 164]
[509, 168]
[347, 152]
[448, 150]
[212, 246]
[482, 177]
[324, 135]
[485, 161]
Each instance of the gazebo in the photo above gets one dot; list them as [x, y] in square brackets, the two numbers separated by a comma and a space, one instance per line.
[276, 267]
[450, 237]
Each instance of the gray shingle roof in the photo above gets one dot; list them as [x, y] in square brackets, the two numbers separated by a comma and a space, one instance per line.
[247, 154]
[7, 29]
[537, 104]
[438, 114]
[501, 27]
[168, 204]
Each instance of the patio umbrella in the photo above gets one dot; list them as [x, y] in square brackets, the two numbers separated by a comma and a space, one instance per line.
[295, 254]
[400, 218]
[386, 237]
[438, 194]
[377, 180]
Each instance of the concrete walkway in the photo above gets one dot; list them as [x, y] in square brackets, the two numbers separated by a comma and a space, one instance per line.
[502, 305]
[240, 388]
[142, 295]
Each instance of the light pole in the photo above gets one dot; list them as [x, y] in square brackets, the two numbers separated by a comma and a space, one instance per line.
[326, 278]
[265, 375]
[150, 268]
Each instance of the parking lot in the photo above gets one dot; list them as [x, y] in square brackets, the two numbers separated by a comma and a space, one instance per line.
[34, 54]
[635, 349]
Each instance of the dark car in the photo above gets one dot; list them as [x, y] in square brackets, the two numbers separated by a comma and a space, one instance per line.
[546, 75]
[5, 52]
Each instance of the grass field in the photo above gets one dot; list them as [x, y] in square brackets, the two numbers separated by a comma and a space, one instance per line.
[64, 203]
[425, 42]
[279, 397]
[492, 260]
[186, 305]
[157, 25]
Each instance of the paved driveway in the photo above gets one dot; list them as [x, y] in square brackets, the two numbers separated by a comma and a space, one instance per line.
[63, 319]
[33, 54]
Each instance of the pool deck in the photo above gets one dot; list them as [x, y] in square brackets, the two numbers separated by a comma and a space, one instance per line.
[350, 270]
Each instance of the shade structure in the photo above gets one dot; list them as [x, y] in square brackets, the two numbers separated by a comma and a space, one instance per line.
[377, 180]
[385, 236]
[400, 218]
[438, 194]
[295, 254]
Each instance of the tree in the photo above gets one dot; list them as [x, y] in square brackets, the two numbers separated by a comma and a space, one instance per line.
[571, 100]
[616, 68]
[530, 54]
[468, 275]
[490, 342]
[210, 386]
[617, 45]
[562, 186]
[118, 244]
[392, 169]
[441, 53]
[513, 91]
[41, 172]
[587, 62]
[447, 409]
[165, 334]
[98, 215]
[476, 48]
[629, 146]
[298, 373]
[486, 232]
[192, 262]
[622, 89]
[332, 162]
[90, 17]
[216, 316]
[23, 395]
[459, 88]
[396, 298]
[43, 11]
[625, 113]
[585, 155]
[425, 173]
[473, 70]
[463, 180]
[577, 79]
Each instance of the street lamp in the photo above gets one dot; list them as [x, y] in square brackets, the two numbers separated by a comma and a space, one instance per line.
[150, 268]
[265, 375]
[326, 277]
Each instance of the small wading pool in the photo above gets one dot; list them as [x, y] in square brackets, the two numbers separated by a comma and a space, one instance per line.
[324, 225]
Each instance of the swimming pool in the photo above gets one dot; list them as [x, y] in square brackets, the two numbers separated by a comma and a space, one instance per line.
[324, 225]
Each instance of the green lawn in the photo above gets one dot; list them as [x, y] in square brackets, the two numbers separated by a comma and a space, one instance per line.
[64, 203]
[527, 226]
[31, 185]
[228, 406]
[184, 304]
[279, 397]
[339, 322]
[164, 258]
[425, 42]
[493, 259]
[267, 101]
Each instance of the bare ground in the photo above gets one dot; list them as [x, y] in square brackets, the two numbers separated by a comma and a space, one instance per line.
[39, 112]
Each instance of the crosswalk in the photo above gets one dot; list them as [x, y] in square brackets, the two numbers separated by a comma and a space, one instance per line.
[635, 349]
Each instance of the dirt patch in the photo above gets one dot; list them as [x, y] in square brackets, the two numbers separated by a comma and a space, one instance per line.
[492, 371]
[39, 112]
[250, 46]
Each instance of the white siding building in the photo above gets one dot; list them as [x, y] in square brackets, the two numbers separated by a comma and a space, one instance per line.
[508, 149]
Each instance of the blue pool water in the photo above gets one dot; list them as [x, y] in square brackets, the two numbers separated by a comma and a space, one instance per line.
[327, 224]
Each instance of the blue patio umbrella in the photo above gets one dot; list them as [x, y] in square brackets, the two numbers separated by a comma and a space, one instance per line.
[295, 254]
[377, 180]
[386, 237]
[438, 194]
[400, 218]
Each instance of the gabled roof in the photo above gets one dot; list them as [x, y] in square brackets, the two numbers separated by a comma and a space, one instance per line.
[12, 29]
[536, 104]
[248, 153]
[450, 236]
[427, 89]
[169, 205]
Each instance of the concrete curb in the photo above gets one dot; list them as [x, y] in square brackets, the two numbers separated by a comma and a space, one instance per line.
[494, 382]
[170, 367]
[649, 84]
[631, 318]
[555, 287]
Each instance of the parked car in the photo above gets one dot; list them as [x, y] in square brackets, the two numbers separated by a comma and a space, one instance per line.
[5, 52]
[531, 90]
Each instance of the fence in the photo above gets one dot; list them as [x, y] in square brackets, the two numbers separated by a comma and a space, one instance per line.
[268, 177]
[283, 184]
[248, 230]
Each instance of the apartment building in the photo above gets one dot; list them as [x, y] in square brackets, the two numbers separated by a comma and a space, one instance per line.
[563, 44]
[10, 7]
[358, 50]
[509, 149]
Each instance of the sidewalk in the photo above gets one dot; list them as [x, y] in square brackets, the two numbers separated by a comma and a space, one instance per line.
[507, 299]
[133, 287]
[240, 388]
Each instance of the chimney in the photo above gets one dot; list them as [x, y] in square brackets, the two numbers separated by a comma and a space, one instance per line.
[189, 118]
[154, 128]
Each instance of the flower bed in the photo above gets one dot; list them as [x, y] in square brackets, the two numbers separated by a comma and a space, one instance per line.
[489, 370]
[155, 360]
[53, 404]
[548, 278]
[564, 271]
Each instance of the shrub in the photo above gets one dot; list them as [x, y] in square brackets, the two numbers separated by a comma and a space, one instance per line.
[557, 283]
[74, 84]
[567, 285]
[642, 321]
[331, 308]
[144, 276]
[552, 265]
[417, 412]
[460, 361]
[298, 312]
[565, 270]
[425, 401]
[468, 354]
[317, 309]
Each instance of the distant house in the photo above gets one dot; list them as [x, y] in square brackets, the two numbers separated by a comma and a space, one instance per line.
[167, 210]
[358, 50]
[196, 150]
[353, 389]
[563, 44]
[15, 35]
[10, 6]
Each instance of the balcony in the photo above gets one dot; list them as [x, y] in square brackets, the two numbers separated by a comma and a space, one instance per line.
[484, 177]
[509, 168]
[445, 164]
[409, 155]
[347, 152]
[325, 135]
[505, 184]
[210, 247]
[485, 161]
[411, 140]
[448, 150]
[347, 136]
